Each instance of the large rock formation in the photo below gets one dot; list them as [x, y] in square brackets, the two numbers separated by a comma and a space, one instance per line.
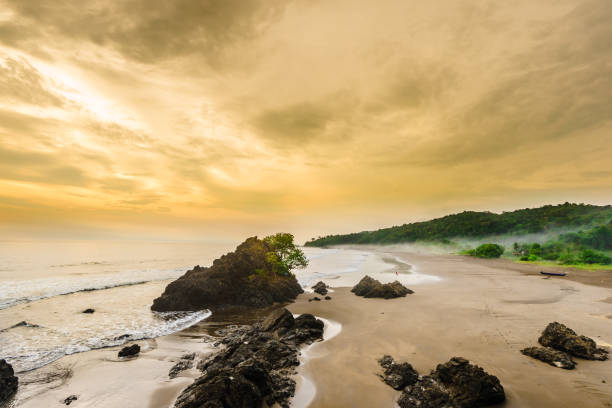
[397, 375]
[371, 288]
[243, 278]
[562, 338]
[8, 381]
[551, 356]
[255, 366]
[455, 384]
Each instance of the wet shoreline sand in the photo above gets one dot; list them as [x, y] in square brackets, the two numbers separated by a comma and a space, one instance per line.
[482, 311]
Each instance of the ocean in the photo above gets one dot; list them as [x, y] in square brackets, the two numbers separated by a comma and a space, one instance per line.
[48, 285]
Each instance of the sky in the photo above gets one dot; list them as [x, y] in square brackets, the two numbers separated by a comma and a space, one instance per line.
[220, 119]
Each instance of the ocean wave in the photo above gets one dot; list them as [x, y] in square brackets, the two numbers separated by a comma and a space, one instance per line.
[26, 358]
[14, 293]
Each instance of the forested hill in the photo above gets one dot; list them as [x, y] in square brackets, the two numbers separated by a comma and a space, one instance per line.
[478, 224]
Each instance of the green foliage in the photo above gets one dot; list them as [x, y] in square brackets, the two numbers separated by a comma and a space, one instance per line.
[589, 256]
[284, 256]
[532, 258]
[479, 224]
[487, 251]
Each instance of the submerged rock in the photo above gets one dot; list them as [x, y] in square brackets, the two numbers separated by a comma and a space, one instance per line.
[321, 288]
[243, 278]
[454, 384]
[371, 288]
[397, 375]
[255, 366]
[561, 337]
[8, 381]
[553, 357]
[129, 350]
[70, 399]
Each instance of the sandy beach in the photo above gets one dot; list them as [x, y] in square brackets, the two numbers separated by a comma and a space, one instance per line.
[483, 311]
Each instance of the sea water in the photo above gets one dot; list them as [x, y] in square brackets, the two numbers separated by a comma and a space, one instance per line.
[48, 284]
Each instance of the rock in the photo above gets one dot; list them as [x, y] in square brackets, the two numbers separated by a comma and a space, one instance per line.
[89, 311]
[129, 351]
[397, 375]
[255, 366]
[327, 297]
[318, 299]
[562, 338]
[279, 320]
[553, 357]
[469, 385]
[122, 337]
[69, 400]
[455, 384]
[8, 381]
[321, 288]
[371, 288]
[240, 279]
[185, 363]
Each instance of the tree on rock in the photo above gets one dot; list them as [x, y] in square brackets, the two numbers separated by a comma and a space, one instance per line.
[284, 255]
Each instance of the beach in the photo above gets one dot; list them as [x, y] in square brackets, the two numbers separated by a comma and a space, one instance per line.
[482, 311]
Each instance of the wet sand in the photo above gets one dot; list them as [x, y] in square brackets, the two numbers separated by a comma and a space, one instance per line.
[482, 311]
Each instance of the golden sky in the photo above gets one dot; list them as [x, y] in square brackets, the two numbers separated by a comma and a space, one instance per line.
[218, 119]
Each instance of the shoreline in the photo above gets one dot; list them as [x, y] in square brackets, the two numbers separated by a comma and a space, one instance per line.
[483, 310]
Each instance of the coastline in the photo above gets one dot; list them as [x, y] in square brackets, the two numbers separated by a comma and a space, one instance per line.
[481, 310]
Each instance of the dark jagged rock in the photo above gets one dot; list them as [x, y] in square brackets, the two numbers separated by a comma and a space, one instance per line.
[397, 375]
[321, 288]
[88, 311]
[551, 356]
[71, 398]
[243, 278]
[255, 366]
[561, 337]
[8, 381]
[455, 384]
[371, 288]
[185, 363]
[327, 297]
[21, 324]
[316, 298]
[129, 351]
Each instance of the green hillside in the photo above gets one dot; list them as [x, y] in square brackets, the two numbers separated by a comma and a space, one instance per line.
[472, 224]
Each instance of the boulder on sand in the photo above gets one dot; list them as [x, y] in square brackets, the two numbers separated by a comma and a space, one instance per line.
[562, 338]
[371, 288]
[243, 278]
[456, 383]
[256, 365]
[8, 381]
[397, 375]
[129, 351]
[321, 288]
[551, 356]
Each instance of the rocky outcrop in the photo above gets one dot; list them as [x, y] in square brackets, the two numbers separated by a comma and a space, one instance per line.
[321, 288]
[455, 384]
[185, 363]
[8, 381]
[397, 375]
[553, 357]
[129, 351]
[562, 338]
[371, 288]
[243, 278]
[255, 366]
